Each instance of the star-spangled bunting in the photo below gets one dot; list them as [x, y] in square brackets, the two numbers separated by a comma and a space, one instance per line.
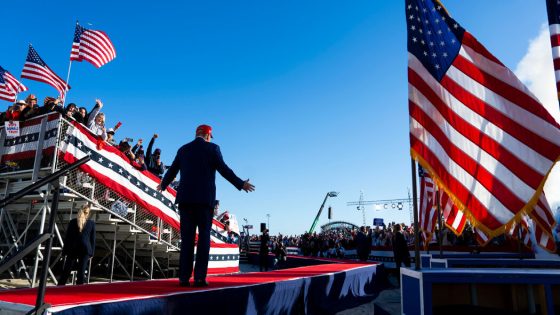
[486, 139]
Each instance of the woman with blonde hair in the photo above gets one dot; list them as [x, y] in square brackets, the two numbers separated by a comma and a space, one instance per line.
[96, 121]
[79, 245]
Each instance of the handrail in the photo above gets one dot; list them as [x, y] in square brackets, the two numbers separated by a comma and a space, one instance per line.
[40, 305]
[45, 180]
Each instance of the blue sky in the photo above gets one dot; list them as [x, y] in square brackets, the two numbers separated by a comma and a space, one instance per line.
[304, 97]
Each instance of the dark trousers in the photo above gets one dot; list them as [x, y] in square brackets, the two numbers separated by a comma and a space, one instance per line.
[263, 261]
[69, 266]
[193, 216]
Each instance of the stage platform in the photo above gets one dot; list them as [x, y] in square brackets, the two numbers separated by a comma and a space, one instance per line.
[480, 291]
[320, 289]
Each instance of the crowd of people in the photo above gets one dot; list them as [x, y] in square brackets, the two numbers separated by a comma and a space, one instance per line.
[335, 243]
[94, 120]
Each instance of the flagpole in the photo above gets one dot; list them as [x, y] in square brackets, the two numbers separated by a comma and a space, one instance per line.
[68, 76]
[415, 206]
[67, 81]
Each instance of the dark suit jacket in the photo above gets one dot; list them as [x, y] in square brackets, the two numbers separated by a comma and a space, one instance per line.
[79, 244]
[198, 162]
[400, 247]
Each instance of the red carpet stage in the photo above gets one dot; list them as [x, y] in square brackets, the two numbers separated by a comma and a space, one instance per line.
[320, 289]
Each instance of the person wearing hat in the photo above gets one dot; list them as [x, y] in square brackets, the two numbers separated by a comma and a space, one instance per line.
[154, 164]
[198, 162]
[111, 137]
[32, 108]
[15, 111]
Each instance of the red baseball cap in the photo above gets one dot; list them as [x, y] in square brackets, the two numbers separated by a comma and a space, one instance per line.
[204, 129]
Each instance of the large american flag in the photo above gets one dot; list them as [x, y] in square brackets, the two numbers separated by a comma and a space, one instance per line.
[553, 7]
[484, 136]
[9, 86]
[36, 69]
[93, 46]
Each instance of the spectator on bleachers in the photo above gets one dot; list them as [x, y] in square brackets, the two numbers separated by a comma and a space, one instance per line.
[31, 100]
[96, 121]
[111, 137]
[81, 115]
[137, 147]
[140, 159]
[32, 108]
[70, 110]
[50, 104]
[125, 148]
[15, 111]
[154, 164]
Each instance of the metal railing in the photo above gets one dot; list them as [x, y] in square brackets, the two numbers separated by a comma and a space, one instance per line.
[48, 236]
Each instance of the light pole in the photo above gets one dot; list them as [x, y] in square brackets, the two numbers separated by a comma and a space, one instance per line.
[268, 221]
[329, 194]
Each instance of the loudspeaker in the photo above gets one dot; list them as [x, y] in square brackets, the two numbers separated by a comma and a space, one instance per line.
[263, 227]
[330, 212]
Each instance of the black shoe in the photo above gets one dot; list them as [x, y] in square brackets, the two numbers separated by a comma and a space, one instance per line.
[200, 283]
[184, 284]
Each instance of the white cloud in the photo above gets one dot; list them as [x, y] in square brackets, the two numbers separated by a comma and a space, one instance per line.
[536, 70]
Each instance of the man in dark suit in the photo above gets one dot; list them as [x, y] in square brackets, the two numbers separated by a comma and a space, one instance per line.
[197, 163]
[400, 249]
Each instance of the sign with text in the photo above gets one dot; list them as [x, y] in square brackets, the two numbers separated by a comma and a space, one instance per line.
[378, 222]
[12, 129]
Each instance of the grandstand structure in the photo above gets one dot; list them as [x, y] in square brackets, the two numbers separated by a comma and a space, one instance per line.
[137, 227]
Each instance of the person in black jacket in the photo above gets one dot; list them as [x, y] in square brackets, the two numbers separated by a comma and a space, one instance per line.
[363, 244]
[400, 248]
[153, 160]
[198, 162]
[79, 245]
[263, 251]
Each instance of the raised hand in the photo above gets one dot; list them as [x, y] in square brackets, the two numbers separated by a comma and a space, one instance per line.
[248, 187]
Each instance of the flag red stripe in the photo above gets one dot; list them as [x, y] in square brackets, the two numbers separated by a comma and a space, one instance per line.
[473, 43]
[555, 40]
[472, 203]
[557, 63]
[483, 176]
[526, 173]
[506, 91]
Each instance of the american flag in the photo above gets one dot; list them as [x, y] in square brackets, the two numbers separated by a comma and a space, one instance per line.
[428, 212]
[543, 222]
[36, 69]
[93, 46]
[553, 7]
[483, 135]
[454, 218]
[9, 86]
